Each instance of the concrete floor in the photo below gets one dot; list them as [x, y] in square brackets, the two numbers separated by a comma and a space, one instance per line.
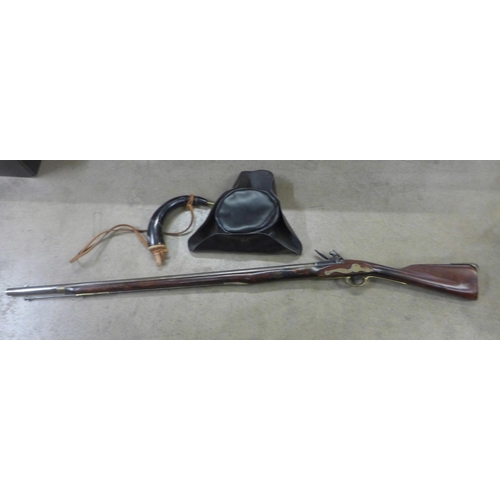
[391, 212]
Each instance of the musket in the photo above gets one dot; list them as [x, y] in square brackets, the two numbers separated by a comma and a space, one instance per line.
[455, 279]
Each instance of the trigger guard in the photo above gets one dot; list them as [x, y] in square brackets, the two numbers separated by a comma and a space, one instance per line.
[350, 282]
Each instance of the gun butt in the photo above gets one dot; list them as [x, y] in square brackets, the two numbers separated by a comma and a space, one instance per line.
[456, 279]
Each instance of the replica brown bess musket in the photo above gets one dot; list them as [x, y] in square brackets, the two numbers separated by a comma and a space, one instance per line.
[454, 279]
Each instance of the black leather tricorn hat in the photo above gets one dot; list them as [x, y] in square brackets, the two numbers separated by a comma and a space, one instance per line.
[247, 218]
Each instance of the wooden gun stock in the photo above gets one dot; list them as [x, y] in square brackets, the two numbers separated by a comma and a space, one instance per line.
[457, 279]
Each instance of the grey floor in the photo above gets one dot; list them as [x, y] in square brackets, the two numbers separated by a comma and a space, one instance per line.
[390, 212]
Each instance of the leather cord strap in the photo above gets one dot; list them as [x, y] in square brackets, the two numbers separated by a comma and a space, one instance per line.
[120, 228]
[97, 240]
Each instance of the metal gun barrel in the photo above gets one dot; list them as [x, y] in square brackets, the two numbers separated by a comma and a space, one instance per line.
[29, 291]
[232, 277]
